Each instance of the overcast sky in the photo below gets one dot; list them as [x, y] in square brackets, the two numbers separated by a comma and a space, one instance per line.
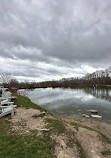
[52, 39]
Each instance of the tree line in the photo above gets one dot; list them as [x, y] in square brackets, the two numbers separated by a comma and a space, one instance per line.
[78, 83]
[8, 80]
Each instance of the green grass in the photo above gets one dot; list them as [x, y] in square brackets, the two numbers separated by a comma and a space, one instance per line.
[4, 126]
[55, 126]
[26, 147]
[80, 149]
[101, 135]
[106, 152]
[77, 125]
[13, 145]
[26, 102]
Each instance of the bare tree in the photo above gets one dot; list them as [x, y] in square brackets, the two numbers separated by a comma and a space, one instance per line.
[6, 78]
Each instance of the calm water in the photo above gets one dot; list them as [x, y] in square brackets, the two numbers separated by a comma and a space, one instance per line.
[73, 101]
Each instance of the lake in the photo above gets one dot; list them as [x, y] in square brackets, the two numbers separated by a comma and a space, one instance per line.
[67, 102]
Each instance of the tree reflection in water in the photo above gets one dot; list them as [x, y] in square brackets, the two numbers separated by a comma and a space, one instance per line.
[99, 93]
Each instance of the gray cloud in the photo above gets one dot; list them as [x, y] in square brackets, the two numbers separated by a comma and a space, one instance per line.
[51, 39]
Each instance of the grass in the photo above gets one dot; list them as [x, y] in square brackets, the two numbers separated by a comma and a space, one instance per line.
[26, 147]
[5, 126]
[106, 152]
[55, 126]
[20, 146]
[102, 137]
[80, 149]
[26, 102]
[77, 125]
[13, 145]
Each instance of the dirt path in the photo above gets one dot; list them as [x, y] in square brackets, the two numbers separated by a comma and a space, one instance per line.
[71, 144]
[26, 120]
[91, 143]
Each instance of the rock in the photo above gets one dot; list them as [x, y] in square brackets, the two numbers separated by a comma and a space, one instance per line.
[62, 143]
[42, 114]
[82, 120]
[39, 115]
[84, 115]
[93, 111]
[96, 116]
[44, 129]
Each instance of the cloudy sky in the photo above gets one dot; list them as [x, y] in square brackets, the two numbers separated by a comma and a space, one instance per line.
[51, 39]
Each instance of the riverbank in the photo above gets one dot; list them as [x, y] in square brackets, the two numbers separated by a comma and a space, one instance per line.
[73, 101]
[98, 124]
[34, 132]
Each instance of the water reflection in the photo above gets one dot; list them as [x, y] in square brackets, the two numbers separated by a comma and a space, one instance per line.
[99, 93]
[73, 101]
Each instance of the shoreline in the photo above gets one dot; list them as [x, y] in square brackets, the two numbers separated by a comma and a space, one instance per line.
[36, 132]
[100, 125]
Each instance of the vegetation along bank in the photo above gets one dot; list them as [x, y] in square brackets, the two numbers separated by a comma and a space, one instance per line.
[36, 133]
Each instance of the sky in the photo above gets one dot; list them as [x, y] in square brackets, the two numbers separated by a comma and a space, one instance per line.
[53, 39]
